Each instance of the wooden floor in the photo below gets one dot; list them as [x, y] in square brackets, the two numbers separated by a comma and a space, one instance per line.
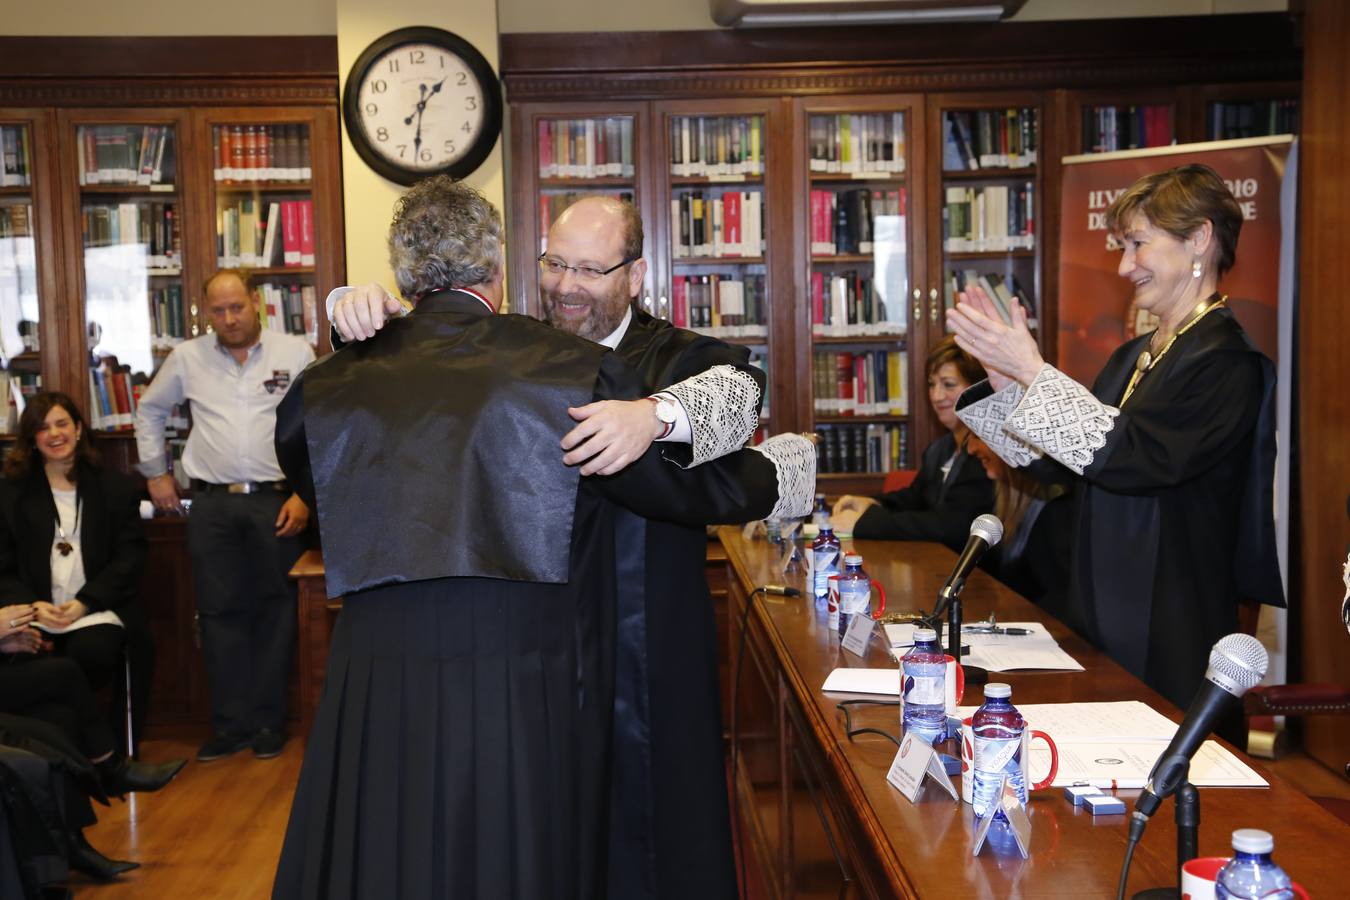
[215, 833]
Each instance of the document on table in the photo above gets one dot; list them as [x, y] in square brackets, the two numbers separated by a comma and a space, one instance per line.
[1002, 652]
[1114, 745]
[1127, 764]
[864, 681]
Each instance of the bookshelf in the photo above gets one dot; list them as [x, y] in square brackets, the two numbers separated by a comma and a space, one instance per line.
[1128, 80]
[21, 223]
[714, 175]
[861, 185]
[158, 200]
[988, 213]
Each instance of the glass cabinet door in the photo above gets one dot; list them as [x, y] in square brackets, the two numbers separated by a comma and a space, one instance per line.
[262, 185]
[20, 359]
[131, 224]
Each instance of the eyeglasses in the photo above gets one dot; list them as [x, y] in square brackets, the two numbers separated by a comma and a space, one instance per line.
[557, 267]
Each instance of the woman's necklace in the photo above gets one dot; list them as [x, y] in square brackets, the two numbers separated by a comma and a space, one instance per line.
[1147, 360]
[64, 546]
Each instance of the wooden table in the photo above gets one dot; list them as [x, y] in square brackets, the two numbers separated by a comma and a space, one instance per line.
[316, 614]
[803, 787]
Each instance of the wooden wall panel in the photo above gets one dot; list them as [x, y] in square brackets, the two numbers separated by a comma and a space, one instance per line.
[1323, 426]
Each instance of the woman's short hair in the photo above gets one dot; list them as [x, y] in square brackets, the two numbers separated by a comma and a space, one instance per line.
[945, 351]
[24, 454]
[444, 235]
[1180, 200]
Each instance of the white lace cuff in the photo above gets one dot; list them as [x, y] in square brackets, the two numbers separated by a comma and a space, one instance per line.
[987, 418]
[794, 458]
[723, 408]
[1062, 418]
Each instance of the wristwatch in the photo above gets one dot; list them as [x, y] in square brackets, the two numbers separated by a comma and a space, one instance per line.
[667, 411]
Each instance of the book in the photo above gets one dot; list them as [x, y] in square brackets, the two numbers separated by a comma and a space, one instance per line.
[306, 211]
[290, 233]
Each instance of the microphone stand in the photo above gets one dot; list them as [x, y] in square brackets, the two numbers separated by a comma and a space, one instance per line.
[1187, 816]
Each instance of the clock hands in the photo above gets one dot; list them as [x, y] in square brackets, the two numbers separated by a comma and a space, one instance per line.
[425, 97]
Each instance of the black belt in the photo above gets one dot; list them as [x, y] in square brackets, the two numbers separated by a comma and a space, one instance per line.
[241, 487]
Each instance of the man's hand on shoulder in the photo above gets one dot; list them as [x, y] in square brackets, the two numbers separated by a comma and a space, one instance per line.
[363, 311]
[612, 434]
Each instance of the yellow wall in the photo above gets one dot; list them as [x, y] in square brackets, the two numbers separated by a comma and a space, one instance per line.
[368, 199]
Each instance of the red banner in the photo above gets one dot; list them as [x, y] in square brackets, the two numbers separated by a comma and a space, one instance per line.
[1096, 311]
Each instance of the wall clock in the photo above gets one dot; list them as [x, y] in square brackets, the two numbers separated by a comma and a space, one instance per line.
[422, 101]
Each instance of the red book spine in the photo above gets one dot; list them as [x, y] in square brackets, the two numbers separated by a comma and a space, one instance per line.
[843, 382]
[306, 210]
[290, 233]
[679, 308]
[237, 150]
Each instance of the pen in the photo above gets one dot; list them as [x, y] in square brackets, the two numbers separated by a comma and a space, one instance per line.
[997, 629]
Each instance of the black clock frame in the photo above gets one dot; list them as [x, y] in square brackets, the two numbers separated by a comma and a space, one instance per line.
[478, 65]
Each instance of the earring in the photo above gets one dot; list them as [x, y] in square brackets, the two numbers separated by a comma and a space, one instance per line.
[1196, 269]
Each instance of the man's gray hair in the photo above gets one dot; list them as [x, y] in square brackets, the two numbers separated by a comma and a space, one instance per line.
[444, 235]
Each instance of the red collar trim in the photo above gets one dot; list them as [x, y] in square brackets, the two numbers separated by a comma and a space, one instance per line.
[481, 299]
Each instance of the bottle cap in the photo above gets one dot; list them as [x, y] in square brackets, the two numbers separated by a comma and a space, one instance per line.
[1253, 840]
[924, 634]
[826, 526]
[852, 559]
[998, 690]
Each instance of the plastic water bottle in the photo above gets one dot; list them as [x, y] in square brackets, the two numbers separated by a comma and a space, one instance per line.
[821, 514]
[1251, 873]
[825, 553]
[923, 687]
[855, 591]
[998, 730]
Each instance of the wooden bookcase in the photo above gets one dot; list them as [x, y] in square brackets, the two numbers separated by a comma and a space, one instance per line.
[63, 91]
[1055, 71]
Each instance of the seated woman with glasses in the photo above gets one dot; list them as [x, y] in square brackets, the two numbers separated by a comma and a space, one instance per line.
[72, 546]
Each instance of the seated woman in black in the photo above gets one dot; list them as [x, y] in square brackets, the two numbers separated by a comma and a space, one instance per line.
[950, 489]
[53, 690]
[72, 545]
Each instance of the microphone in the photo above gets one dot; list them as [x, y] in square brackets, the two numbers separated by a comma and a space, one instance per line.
[1236, 664]
[985, 532]
[780, 589]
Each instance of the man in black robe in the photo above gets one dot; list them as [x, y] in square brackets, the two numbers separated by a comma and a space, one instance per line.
[670, 828]
[462, 746]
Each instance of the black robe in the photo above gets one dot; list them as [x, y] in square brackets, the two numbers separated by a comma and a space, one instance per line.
[671, 829]
[1174, 517]
[932, 508]
[462, 744]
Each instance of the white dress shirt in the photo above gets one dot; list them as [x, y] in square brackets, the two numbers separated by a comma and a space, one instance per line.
[233, 407]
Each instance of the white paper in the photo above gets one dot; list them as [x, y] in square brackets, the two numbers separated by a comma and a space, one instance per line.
[102, 617]
[1001, 652]
[864, 681]
[1024, 656]
[1098, 722]
[1126, 765]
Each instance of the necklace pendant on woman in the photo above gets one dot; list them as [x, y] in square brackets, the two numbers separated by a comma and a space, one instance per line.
[1144, 362]
[64, 547]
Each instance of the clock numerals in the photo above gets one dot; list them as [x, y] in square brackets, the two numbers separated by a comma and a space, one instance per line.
[421, 104]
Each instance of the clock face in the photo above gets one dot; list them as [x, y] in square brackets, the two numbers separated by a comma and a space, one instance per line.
[421, 101]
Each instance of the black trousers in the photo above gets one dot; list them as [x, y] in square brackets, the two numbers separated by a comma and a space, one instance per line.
[246, 605]
[53, 689]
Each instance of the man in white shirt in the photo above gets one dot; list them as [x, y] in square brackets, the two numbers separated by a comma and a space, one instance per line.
[246, 522]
